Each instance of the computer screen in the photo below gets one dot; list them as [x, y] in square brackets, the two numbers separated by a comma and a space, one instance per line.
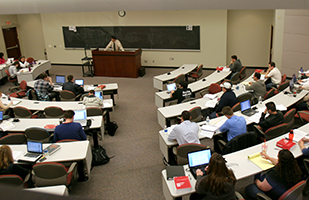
[245, 105]
[171, 87]
[79, 82]
[80, 115]
[60, 79]
[98, 94]
[34, 147]
[199, 157]
[1, 115]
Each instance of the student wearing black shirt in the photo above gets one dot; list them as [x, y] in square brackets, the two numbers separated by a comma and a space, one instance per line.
[182, 93]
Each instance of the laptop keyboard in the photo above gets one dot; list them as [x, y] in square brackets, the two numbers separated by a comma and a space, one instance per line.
[193, 171]
[32, 155]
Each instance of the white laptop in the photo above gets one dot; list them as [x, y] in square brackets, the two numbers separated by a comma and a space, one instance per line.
[171, 87]
[34, 152]
[81, 117]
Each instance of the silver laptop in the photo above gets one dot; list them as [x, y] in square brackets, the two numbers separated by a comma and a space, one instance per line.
[81, 117]
[60, 79]
[34, 149]
[199, 160]
[171, 87]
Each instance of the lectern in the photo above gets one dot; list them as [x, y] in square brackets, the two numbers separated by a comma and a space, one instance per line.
[117, 63]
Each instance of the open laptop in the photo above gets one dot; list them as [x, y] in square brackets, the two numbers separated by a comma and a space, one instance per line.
[60, 79]
[81, 117]
[291, 85]
[171, 87]
[246, 109]
[98, 94]
[199, 160]
[34, 150]
[79, 82]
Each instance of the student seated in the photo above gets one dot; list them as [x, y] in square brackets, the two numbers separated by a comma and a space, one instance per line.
[257, 87]
[182, 92]
[277, 180]
[71, 86]
[92, 100]
[13, 69]
[22, 62]
[275, 117]
[273, 76]
[219, 182]
[45, 86]
[2, 60]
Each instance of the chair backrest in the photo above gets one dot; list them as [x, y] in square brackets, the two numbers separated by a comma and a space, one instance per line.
[198, 73]
[243, 73]
[244, 97]
[289, 117]
[83, 96]
[187, 99]
[7, 73]
[23, 85]
[214, 88]
[22, 112]
[235, 78]
[66, 95]
[37, 134]
[67, 140]
[283, 78]
[236, 107]
[30, 60]
[196, 115]
[49, 173]
[303, 115]
[240, 142]
[94, 111]
[12, 180]
[294, 192]
[283, 85]
[183, 150]
[13, 138]
[275, 131]
[269, 94]
[179, 78]
[53, 112]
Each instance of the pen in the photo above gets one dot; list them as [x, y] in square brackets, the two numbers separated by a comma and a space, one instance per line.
[277, 148]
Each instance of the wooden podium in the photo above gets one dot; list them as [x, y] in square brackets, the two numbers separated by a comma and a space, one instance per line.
[117, 63]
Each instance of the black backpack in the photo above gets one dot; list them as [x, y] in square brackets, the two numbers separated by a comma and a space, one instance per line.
[111, 128]
[99, 156]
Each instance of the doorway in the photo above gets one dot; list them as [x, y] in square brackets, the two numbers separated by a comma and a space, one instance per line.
[11, 42]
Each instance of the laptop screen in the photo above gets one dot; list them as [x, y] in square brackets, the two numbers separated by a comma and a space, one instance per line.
[294, 78]
[245, 105]
[1, 115]
[171, 87]
[198, 158]
[34, 147]
[60, 79]
[98, 94]
[80, 115]
[301, 70]
[79, 82]
[291, 85]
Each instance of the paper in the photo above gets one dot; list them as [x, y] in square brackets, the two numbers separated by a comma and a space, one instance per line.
[281, 107]
[298, 135]
[6, 125]
[210, 96]
[17, 155]
[209, 128]
[226, 69]
[260, 162]
[220, 123]
[91, 88]
[106, 105]
[208, 134]
[169, 129]
[262, 76]
[211, 103]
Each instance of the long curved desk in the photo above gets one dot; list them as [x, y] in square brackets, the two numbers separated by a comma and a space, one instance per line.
[36, 70]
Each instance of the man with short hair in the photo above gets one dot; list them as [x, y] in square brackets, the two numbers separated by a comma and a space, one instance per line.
[71, 86]
[275, 117]
[273, 76]
[114, 44]
[182, 92]
[258, 87]
[92, 100]
[235, 65]
[45, 86]
[69, 129]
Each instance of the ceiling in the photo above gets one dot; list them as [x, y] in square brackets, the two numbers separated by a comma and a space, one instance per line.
[59, 6]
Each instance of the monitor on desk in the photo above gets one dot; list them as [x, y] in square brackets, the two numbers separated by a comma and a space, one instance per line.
[171, 87]
[60, 79]
[1, 116]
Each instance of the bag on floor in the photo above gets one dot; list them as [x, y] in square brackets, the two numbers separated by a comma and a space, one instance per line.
[111, 128]
[99, 156]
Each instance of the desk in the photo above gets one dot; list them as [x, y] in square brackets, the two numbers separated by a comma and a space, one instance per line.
[158, 81]
[36, 70]
[162, 97]
[69, 152]
[3, 67]
[60, 190]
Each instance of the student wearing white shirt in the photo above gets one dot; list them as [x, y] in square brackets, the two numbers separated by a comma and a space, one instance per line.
[13, 69]
[114, 44]
[303, 105]
[23, 62]
[273, 76]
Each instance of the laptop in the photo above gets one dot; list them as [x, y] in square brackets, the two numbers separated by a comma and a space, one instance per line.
[34, 150]
[81, 117]
[60, 79]
[246, 109]
[199, 160]
[79, 82]
[291, 85]
[171, 87]
[98, 94]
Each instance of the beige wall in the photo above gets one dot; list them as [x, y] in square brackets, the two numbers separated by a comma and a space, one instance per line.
[249, 36]
[3, 18]
[278, 21]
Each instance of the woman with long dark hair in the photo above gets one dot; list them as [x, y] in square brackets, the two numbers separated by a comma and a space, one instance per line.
[2, 60]
[219, 182]
[277, 180]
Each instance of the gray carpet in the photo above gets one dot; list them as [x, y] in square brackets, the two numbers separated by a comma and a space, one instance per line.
[135, 171]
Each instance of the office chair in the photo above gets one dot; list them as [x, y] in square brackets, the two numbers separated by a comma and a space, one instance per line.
[67, 140]
[283, 85]
[10, 79]
[66, 95]
[196, 74]
[294, 193]
[236, 107]
[196, 115]
[30, 60]
[271, 132]
[53, 112]
[94, 111]
[283, 78]
[235, 78]
[243, 73]
[244, 97]
[184, 149]
[12, 180]
[303, 115]
[270, 93]
[83, 96]
[19, 91]
[52, 173]
[289, 118]
[212, 89]
[188, 99]
[13, 138]
[179, 78]
[22, 112]
[38, 134]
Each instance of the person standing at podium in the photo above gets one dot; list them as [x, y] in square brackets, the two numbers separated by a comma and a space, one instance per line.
[114, 44]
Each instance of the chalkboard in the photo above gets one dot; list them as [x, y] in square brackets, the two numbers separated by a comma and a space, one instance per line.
[145, 37]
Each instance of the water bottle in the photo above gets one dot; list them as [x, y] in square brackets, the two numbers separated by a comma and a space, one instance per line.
[207, 120]
[237, 87]
[260, 100]
[165, 129]
[291, 135]
[264, 147]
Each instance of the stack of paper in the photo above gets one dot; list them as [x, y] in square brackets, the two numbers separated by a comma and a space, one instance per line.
[260, 161]
[211, 103]
[298, 135]
[6, 125]
[208, 131]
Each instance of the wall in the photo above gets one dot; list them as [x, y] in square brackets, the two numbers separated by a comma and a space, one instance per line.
[249, 36]
[3, 18]
[295, 51]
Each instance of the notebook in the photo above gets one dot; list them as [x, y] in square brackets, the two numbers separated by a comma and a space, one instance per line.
[60, 79]
[199, 160]
[246, 109]
[79, 82]
[81, 117]
[34, 151]
[171, 87]
[98, 94]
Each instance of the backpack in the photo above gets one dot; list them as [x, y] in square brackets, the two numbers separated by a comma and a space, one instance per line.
[99, 156]
[111, 128]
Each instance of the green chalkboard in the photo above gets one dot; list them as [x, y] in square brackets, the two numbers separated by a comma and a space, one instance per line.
[145, 37]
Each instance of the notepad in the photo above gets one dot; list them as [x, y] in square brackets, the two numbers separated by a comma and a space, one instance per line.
[260, 161]
[211, 103]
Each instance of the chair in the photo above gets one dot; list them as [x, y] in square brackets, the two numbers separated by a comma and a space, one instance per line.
[283, 85]
[272, 132]
[66, 95]
[294, 193]
[213, 89]
[270, 93]
[184, 149]
[13, 138]
[22, 112]
[179, 78]
[12, 180]
[196, 115]
[14, 80]
[67, 140]
[236, 107]
[244, 97]
[196, 74]
[303, 115]
[289, 118]
[53, 112]
[30, 60]
[37, 134]
[19, 91]
[235, 78]
[94, 111]
[83, 96]
[239, 142]
[283, 78]
[52, 173]
[243, 73]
